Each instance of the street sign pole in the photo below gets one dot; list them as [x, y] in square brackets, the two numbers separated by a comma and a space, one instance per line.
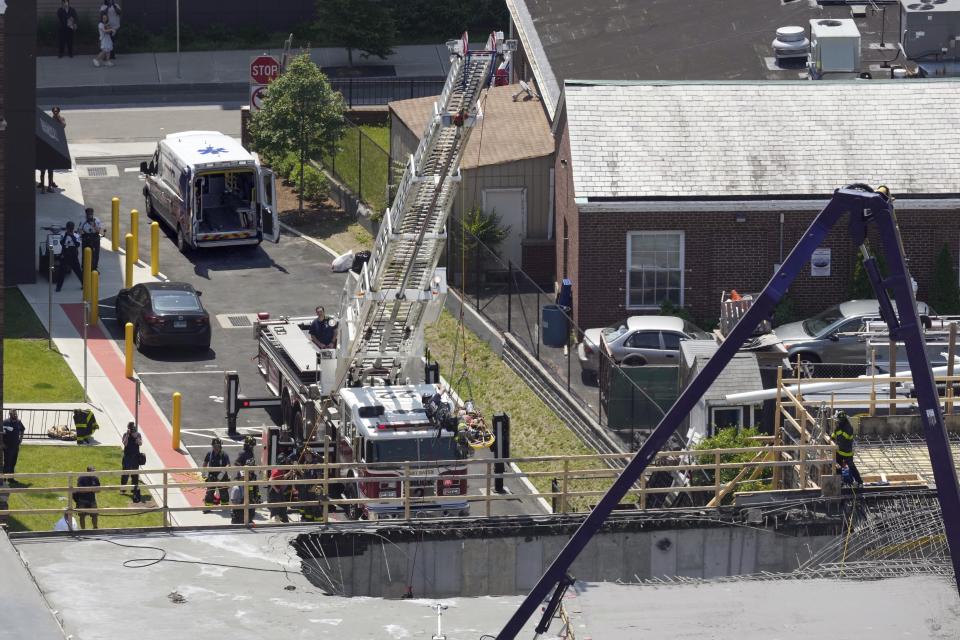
[178, 38]
[49, 294]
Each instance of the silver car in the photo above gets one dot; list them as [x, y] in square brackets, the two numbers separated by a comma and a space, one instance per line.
[831, 336]
[638, 340]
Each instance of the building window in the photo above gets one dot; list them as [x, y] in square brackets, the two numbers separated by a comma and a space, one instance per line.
[654, 268]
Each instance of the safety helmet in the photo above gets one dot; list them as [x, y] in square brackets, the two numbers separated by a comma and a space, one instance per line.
[249, 442]
[216, 442]
[840, 414]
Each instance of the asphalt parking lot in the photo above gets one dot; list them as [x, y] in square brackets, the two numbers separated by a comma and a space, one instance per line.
[289, 278]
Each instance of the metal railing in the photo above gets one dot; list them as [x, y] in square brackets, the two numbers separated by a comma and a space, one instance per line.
[38, 421]
[571, 483]
[363, 92]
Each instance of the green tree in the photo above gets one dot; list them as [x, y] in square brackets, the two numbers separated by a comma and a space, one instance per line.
[727, 437]
[945, 294]
[363, 25]
[300, 113]
[860, 287]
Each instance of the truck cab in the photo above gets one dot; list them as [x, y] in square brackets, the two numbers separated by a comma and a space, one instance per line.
[210, 191]
[388, 431]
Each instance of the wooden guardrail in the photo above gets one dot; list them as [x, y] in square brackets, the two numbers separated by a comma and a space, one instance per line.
[576, 482]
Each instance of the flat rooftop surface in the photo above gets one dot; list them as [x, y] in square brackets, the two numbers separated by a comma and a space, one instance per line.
[252, 586]
[914, 607]
[97, 597]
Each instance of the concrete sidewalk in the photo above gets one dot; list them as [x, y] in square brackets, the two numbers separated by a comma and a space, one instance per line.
[110, 393]
[209, 70]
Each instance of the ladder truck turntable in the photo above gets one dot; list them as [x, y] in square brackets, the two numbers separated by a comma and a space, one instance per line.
[374, 399]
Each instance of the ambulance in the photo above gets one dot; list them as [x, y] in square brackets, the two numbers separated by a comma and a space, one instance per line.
[210, 191]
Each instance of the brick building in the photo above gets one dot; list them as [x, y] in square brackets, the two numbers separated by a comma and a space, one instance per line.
[679, 191]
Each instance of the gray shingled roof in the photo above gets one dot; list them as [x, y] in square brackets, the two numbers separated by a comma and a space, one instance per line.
[741, 374]
[766, 138]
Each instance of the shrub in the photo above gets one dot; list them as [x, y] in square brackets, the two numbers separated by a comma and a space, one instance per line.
[860, 287]
[945, 294]
[284, 166]
[314, 185]
[784, 312]
[667, 308]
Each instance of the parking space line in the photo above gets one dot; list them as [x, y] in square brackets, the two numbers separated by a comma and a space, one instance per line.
[176, 373]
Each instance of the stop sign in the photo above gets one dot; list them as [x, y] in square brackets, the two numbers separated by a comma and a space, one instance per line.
[264, 70]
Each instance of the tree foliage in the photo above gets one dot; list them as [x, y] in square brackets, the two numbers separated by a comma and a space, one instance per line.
[860, 287]
[301, 113]
[945, 294]
[362, 25]
[730, 438]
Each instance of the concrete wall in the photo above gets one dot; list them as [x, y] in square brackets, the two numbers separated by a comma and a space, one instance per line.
[886, 426]
[511, 565]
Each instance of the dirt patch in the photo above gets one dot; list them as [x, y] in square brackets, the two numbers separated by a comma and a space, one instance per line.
[324, 221]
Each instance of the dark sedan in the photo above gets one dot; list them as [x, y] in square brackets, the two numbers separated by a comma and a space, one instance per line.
[164, 314]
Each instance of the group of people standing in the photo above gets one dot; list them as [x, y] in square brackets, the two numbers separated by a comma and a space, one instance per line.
[72, 242]
[107, 28]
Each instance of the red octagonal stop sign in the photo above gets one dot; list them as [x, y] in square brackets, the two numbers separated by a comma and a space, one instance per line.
[264, 70]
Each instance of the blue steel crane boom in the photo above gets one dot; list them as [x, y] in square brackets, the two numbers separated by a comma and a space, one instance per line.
[864, 207]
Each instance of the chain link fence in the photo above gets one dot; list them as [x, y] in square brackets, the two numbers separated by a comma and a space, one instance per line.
[628, 402]
[362, 165]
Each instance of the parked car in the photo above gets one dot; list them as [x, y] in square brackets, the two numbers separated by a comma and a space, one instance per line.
[638, 340]
[164, 314]
[830, 336]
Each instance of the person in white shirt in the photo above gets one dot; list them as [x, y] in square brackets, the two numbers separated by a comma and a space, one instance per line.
[66, 523]
[90, 231]
[112, 9]
[106, 42]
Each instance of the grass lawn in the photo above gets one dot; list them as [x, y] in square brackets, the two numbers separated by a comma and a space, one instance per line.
[362, 162]
[535, 430]
[31, 372]
[53, 458]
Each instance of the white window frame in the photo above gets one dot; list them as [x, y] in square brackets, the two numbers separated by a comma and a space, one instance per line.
[630, 236]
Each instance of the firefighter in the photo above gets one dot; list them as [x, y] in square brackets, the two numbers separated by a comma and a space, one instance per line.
[308, 492]
[216, 462]
[249, 443]
[68, 257]
[91, 229]
[85, 423]
[843, 437]
[132, 458]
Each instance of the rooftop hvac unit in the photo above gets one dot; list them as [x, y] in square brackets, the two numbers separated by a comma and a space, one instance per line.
[791, 44]
[930, 28]
[834, 45]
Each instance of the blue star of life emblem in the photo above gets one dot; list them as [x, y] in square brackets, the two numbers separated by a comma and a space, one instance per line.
[211, 150]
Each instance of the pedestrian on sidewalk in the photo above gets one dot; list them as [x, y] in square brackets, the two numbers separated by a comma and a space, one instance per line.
[70, 245]
[87, 499]
[13, 431]
[217, 464]
[112, 9]
[51, 186]
[106, 42]
[67, 18]
[132, 458]
[91, 230]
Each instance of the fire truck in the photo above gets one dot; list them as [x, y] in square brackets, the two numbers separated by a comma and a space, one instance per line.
[373, 399]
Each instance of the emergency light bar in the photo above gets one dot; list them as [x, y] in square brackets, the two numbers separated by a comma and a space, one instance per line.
[383, 426]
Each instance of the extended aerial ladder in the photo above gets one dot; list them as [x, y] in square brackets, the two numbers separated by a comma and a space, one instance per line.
[384, 308]
[864, 206]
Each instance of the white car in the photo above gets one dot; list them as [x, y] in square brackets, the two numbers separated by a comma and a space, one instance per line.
[638, 340]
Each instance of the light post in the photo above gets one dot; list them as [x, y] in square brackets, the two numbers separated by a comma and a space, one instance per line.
[49, 293]
[178, 38]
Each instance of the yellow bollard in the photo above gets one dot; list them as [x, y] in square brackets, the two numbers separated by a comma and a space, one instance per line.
[94, 297]
[131, 243]
[154, 248]
[176, 419]
[135, 230]
[128, 348]
[87, 268]
[115, 224]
